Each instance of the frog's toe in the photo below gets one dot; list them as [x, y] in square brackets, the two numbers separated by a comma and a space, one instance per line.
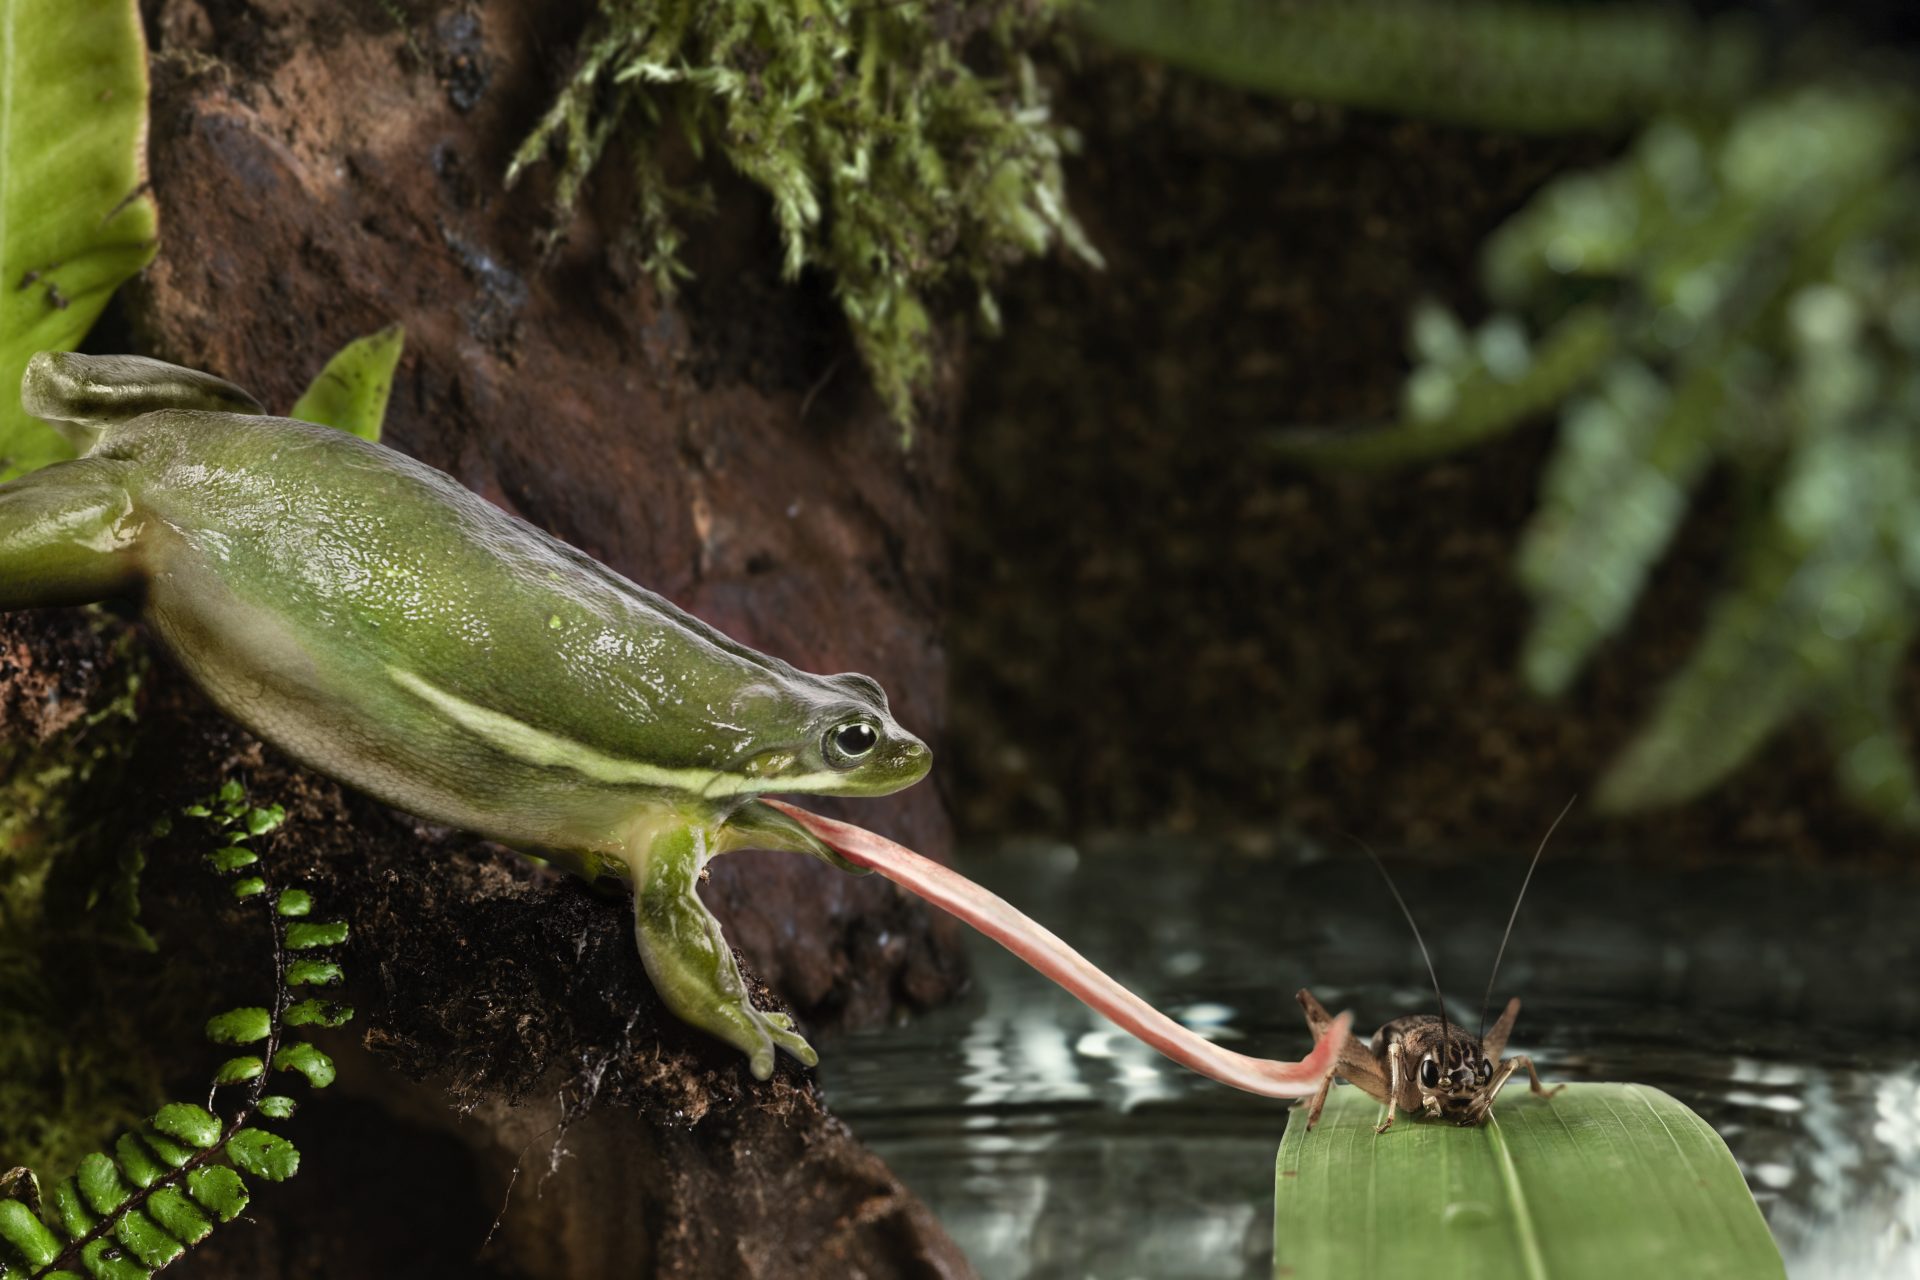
[796, 1044]
[778, 1021]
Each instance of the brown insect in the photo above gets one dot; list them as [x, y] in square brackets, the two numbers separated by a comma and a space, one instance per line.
[1422, 1063]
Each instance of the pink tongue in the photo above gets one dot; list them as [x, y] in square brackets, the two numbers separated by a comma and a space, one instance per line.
[995, 917]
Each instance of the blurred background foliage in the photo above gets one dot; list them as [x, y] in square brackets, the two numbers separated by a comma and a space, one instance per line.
[1738, 293]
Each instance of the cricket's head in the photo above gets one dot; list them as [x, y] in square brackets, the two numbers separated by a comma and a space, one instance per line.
[1451, 1068]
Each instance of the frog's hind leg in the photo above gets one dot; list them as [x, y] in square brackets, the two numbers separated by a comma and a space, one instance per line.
[80, 396]
[68, 535]
[687, 956]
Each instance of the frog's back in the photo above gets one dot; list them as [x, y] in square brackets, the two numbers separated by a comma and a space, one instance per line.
[296, 563]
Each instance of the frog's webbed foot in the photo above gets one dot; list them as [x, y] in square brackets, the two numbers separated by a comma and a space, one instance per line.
[688, 958]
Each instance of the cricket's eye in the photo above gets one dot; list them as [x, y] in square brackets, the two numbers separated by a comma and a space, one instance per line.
[1486, 1071]
[1430, 1073]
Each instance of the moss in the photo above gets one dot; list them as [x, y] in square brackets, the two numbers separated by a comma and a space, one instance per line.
[71, 1068]
[893, 162]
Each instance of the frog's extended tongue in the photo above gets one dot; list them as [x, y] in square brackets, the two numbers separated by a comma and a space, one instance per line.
[995, 917]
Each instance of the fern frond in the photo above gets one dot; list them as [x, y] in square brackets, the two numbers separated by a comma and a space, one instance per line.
[169, 1182]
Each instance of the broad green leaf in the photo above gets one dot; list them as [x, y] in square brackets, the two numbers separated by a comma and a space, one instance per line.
[74, 220]
[261, 821]
[1601, 1181]
[146, 1239]
[249, 887]
[314, 973]
[70, 1209]
[193, 1125]
[105, 1260]
[322, 1013]
[172, 1210]
[304, 936]
[264, 1155]
[351, 392]
[174, 1153]
[100, 1184]
[277, 1106]
[232, 858]
[294, 902]
[238, 1070]
[136, 1162]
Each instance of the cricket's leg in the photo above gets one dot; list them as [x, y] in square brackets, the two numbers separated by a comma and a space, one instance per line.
[1494, 1043]
[67, 535]
[1393, 1086]
[687, 956]
[1356, 1063]
[1499, 1082]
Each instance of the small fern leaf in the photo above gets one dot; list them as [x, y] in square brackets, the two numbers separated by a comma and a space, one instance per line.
[238, 1071]
[27, 1235]
[101, 1185]
[70, 1210]
[264, 1155]
[180, 1217]
[136, 1162]
[106, 1260]
[316, 1066]
[276, 1106]
[248, 1025]
[318, 1013]
[294, 902]
[314, 973]
[195, 1126]
[303, 936]
[260, 821]
[249, 887]
[174, 1153]
[232, 858]
[147, 1240]
[218, 1190]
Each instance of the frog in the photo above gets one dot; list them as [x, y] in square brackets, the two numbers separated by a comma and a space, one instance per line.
[383, 625]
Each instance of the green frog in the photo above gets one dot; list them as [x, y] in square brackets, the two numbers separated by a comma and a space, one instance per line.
[378, 622]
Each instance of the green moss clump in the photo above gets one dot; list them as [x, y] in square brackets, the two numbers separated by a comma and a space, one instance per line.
[891, 162]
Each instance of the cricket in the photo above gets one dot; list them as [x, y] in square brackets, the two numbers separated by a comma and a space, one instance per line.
[1422, 1063]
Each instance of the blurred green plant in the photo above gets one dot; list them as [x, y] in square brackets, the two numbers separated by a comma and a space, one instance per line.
[892, 164]
[75, 219]
[1740, 291]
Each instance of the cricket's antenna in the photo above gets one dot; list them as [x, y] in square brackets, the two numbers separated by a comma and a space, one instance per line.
[1446, 1028]
[1486, 1001]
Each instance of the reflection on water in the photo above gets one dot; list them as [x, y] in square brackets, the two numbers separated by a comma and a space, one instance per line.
[1784, 1007]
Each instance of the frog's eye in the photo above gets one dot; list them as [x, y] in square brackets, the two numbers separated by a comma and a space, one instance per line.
[1430, 1073]
[846, 745]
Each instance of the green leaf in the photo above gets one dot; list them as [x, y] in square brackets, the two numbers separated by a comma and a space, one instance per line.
[314, 973]
[166, 1148]
[351, 392]
[264, 1155]
[316, 1066]
[1602, 1181]
[304, 937]
[319, 1013]
[218, 1190]
[74, 221]
[240, 1026]
[261, 821]
[295, 902]
[232, 858]
[136, 1162]
[238, 1070]
[193, 1125]
[26, 1233]
[146, 1239]
[70, 1209]
[100, 1184]
[182, 1220]
[231, 796]
[105, 1260]
[277, 1106]
[250, 887]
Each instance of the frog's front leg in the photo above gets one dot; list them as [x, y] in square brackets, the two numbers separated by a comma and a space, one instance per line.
[68, 535]
[687, 956]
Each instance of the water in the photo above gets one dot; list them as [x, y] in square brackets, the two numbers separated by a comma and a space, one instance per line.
[1782, 1006]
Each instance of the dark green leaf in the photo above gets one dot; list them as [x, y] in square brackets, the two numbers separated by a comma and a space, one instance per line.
[172, 1210]
[264, 1155]
[249, 887]
[100, 1183]
[304, 936]
[238, 1070]
[300, 1056]
[295, 902]
[240, 1026]
[351, 392]
[145, 1239]
[26, 1233]
[232, 858]
[232, 795]
[218, 1190]
[319, 1013]
[193, 1125]
[261, 821]
[70, 1210]
[107, 1260]
[166, 1148]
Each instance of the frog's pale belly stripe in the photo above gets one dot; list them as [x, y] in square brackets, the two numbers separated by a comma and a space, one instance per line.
[536, 746]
